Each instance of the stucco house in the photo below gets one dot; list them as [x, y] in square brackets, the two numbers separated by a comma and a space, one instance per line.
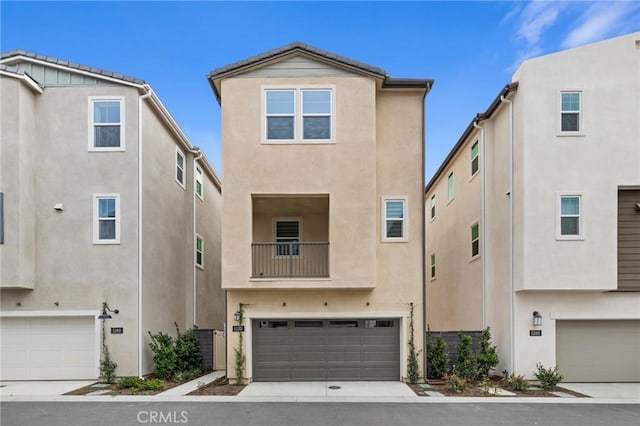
[322, 221]
[102, 199]
[533, 219]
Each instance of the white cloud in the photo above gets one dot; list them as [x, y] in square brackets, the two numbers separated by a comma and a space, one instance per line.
[536, 18]
[601, 20]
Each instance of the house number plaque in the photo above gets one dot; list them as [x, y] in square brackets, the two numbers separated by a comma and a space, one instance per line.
[117, 330]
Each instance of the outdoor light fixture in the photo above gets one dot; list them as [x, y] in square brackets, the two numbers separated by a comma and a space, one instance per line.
[537, 319]
[105, 311]
[237, 316]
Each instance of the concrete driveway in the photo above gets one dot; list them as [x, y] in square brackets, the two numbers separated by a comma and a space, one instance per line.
[606, 390]
[328, 389]
[41, 388]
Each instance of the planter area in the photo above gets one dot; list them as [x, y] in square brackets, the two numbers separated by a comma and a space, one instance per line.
[219, 386]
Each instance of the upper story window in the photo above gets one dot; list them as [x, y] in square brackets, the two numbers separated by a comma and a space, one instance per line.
[106, 123]
[106, 218]
[570, 112]
[180, 167]
[287, 233]
[394, 219]
[475, 162]
[475, 240]
[298, 115]
[199, 251]
[433, 266]
[198, 186]
[450, 187]
[570, 225]
[433, 206]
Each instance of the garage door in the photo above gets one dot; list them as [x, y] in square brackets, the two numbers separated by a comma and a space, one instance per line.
[47, 348]
[598, 351]
[317, 350]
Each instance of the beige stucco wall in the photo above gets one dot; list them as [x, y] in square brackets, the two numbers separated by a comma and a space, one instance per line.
[375, 154]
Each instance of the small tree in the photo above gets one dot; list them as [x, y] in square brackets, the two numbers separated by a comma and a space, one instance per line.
[413, 367]
[164, 355]
[439, 359]
[466, 365]
[487, 355]
[188, 355]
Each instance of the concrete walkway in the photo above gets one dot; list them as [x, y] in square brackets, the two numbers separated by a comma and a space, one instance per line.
[328, 389]
[188, 387]
[41, 388]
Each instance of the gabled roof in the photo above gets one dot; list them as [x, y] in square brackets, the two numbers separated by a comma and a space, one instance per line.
[15, 54]
[319, 54]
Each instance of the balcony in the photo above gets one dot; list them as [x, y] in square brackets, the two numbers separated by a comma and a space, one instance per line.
[290, 260]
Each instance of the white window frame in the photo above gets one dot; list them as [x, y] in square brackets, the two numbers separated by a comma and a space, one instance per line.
[298, 125]
[201, 251]
[275, 236]
[580, 216]
[432, 207]
[199, 179]
[405, 219]
[96, 219]
[433, 266]
[91, 142]
[475, 256]
[451, 194]
[579, 112]
[476, 157]
[182, 183]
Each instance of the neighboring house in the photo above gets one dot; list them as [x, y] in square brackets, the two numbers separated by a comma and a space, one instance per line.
[322, 217]
[536, 228]
[98, 203]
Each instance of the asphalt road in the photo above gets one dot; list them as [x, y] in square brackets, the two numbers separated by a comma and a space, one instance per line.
[313, 414]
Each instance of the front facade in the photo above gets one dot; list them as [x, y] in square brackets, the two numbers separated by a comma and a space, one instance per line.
[322, 216]
[556, 201]
[103, 200]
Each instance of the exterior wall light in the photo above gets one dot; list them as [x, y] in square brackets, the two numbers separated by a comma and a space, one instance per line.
[105, 311]
[537, 319]
[237, 316]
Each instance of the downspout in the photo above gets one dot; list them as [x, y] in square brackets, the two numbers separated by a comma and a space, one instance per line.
[511, 242]
[147, 94]
[483, 230]
[197, 155]
[424, 240]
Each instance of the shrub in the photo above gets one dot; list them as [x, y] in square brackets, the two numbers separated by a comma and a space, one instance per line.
[487, 387]
[107, 367]
[518, 383]
[151, 385]
[188, 356]
[487, 354]
[438, 355]
[129, 382]
[457, 383]
[466, 365]
[549, 377]
[178, 358]
[164, 355]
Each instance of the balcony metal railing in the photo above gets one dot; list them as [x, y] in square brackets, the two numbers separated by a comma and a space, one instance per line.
[290, 260]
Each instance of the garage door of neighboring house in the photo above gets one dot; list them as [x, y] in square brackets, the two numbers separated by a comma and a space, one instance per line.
[48, 348]
[318, 350]
[598, 351]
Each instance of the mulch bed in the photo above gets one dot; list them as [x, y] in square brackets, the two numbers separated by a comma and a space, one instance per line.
[113, 390]
[219, 386]
[475, 390]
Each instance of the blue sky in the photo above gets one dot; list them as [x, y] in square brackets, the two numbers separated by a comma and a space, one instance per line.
[470, 48]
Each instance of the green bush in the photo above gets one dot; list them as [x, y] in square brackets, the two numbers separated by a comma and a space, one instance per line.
[457, 383]
[487, 355]
[107, 367]
[164, 355]
[188, 356]
[131, 382]
[438, 355]
[151, 385]
[466, 365]
[518, 383]
[548, 377]
[178, 358]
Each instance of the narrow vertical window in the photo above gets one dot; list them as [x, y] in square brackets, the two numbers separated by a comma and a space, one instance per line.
[316, 114]
[394, 220]
[106, 224]
[433, 265]
[180, 169]
[280, 108]
[570, 112]
[198, 186]
[287, 235]
[475, 164]
[433, 206]
[570, 215]
[106, 123]
[450, 187]
[475, 240]
[199, 251]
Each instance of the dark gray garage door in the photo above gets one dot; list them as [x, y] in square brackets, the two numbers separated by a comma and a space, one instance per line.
[316, 350]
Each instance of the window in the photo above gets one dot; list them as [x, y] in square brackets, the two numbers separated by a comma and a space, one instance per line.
[106, 224]
[570, 112]
[570, 216]
[180, 168]
[475, 240]
[433, 265]
[295, 115]
[475, 165]
[199, 251]
[450, 187]
[287, 233]
[343, 324]
[433, 206]
[198, 186]
[394, 219]
[106, 123]
[379, 323]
